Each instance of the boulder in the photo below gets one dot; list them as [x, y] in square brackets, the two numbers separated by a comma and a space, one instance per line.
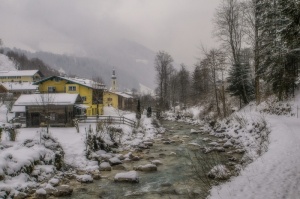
[40, 194]
[84, 178]
[62, 190]
[119, 167]
[20, 195]
[148, 143]
[54, 182]
[147, 168]
[156, 162]
[105, 166]
[114, 161]
[193, 131]
[219, 172]
[131, 176]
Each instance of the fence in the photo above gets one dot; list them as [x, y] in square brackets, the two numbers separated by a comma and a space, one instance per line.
[106, 119]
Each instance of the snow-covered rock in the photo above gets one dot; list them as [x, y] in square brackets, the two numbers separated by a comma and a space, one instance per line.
[219, 172]
[147, 167]
[105, 166]
[156, 162]
[114, 161]
[54, 182]
[84, 178]
[131, 176]
[41, 193]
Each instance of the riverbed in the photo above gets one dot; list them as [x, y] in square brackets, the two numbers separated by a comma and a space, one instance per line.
[175, 178]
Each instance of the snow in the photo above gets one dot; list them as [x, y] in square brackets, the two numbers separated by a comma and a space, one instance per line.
[131, 176]
[275, 174]
[18, 73]
[144, 90]
[6, 64]
[41, 191]
[74, 148]
[53, 98]
[84, 82]
[19, 86]
[84, 178]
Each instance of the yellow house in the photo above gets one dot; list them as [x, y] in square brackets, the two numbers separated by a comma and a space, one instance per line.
[91, 92]
[119, 100]
[20, 76]
[110, 99]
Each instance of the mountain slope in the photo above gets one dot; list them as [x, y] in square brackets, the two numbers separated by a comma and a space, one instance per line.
[133, 63]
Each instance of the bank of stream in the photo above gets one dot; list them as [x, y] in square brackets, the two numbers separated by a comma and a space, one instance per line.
[175, 177]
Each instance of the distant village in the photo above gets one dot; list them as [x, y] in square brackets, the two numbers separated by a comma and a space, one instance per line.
[58, 100]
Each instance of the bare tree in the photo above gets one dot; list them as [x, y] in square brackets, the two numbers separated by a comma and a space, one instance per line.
[229, 25]
[215, 61]
[46, 101]
[164, 68]
[252, 10]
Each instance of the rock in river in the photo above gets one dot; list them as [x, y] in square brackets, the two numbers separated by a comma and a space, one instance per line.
[131, 176]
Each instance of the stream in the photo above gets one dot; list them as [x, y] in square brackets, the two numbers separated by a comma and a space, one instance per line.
[174, 179]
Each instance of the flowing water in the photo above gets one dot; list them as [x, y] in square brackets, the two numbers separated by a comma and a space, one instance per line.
[174, 178]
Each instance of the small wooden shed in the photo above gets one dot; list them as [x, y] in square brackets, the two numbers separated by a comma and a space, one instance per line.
[55, 109]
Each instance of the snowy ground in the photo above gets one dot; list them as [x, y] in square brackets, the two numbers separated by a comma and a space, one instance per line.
[276, 174]
[15, 155]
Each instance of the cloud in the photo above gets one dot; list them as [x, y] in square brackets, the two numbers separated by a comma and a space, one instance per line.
[76, 26]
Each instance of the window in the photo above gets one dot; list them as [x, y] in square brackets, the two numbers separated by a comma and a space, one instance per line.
[109, 99]
[51, 89]
[83, 98]
[72, 88]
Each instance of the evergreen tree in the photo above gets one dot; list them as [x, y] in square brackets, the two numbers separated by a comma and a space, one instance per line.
[197, 87]
[138, 110]
[274, 49]
[291, 32]
[240, 83]
[184, 84]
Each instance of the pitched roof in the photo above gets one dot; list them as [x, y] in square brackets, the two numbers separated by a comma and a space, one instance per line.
[81, 81]
[122, 94]
[18, 73]
[46, 99]
[17, 86]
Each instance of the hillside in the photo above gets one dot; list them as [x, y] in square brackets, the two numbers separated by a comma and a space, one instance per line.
[133, 63]
[6, 64]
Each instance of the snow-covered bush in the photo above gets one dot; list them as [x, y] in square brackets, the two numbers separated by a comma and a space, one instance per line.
[274, 107]
[219, 172]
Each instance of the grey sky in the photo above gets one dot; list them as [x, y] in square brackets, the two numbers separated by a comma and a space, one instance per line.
[74, 26]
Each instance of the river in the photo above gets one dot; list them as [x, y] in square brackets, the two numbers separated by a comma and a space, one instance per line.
[175, 178]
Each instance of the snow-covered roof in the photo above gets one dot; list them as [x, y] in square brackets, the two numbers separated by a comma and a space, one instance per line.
[44, 99]
[18, 73]
[18, 109]
[125, 95]
[81, 81]
[17, 86]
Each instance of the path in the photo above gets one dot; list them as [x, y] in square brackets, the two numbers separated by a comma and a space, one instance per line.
[276, 174]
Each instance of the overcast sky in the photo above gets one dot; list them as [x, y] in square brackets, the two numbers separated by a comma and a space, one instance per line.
[73, 26]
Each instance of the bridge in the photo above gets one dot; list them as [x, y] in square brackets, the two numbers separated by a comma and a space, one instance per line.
[106, 119]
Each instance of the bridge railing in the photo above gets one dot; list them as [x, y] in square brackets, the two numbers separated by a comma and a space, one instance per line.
[106, 119]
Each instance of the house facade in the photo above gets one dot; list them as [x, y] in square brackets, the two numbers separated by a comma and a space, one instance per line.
[90, 92]
[20, 76]
[118, 100]
[55, 109]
